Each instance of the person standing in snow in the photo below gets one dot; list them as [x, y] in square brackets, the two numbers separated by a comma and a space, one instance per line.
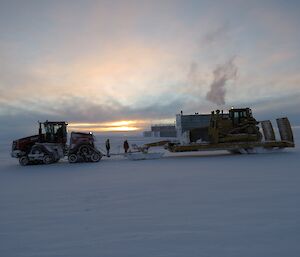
[126, 146]
[107, 145]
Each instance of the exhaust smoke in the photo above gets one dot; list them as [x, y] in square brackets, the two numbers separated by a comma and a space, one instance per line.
[222, 73]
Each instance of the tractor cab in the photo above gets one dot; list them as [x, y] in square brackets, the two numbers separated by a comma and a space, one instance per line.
[53, 132]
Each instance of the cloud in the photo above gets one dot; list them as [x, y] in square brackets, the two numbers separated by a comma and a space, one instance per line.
[216, 36]
[197, 78]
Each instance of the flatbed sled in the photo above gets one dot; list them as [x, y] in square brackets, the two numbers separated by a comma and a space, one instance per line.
[143, 156]
[239, 147]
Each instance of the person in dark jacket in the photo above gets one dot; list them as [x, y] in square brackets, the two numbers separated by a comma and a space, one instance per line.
[126, 146]
[107, 145]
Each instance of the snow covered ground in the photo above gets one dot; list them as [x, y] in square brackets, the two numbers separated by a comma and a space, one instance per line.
[180, 205]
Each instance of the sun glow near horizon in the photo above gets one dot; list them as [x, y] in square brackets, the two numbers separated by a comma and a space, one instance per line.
[114, 126]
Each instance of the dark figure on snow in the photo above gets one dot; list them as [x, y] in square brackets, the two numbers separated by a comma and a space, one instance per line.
[126, 146]
[107, 145]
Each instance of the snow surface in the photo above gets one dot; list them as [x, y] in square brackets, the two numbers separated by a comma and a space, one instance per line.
[200, 204]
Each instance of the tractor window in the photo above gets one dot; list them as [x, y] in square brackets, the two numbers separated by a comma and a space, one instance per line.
[56, 128]
[59, 130]
[236, 115]
[48, 129]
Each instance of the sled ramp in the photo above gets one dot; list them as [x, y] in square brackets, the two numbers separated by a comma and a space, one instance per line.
[268, 130]
[285, 130]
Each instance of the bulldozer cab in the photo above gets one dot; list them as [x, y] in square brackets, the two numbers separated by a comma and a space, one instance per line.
[239, 115]
[54, 132]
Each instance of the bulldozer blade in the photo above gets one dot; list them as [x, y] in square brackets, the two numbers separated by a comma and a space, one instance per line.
[268, 130]
[285, 130]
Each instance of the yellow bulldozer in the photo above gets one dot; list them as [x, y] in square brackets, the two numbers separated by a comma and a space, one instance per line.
[238, 125]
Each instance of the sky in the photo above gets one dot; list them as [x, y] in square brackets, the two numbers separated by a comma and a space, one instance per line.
[99, 64]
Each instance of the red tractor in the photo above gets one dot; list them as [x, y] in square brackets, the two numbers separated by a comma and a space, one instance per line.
[50, 146]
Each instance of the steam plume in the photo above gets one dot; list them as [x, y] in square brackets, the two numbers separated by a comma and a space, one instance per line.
[222, 73]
